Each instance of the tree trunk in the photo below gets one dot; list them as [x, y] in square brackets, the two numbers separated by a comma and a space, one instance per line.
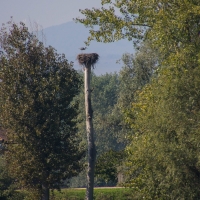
[90, 136]
[45, 192]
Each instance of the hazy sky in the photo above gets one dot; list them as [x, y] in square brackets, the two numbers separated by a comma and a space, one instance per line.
[45, 12]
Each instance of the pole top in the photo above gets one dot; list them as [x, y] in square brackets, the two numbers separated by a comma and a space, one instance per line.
[88, 59]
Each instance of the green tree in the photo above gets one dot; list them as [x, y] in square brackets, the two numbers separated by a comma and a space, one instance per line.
[171, 26]
[112, 95]
[163, 153]
[107, 124]
[6, 181]
[136, 72]
[37, 110]
[106, 121]
[8, 185]
[106, 170]
[109, 129]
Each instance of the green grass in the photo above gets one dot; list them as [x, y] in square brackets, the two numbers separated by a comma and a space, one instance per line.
[99, 194]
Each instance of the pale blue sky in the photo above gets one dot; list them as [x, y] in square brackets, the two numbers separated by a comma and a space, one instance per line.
[47, 13]
[44, 12]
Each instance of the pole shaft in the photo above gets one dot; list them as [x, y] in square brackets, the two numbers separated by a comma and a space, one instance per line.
[90, 135]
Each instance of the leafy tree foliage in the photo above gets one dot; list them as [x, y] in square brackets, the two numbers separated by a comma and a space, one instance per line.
[37, 109]
[136, 72]
[5, 180]
[8, 185]
[163, 154]
[109, 129]
[163, 22]
[106, 123]
[107, 167]
[111, 96]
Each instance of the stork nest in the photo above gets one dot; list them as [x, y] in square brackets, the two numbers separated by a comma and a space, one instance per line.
[88, 59]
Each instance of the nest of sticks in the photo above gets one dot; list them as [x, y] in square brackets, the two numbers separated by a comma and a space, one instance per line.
[88, 59]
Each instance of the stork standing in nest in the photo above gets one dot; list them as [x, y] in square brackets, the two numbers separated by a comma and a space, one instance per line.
[88, 61]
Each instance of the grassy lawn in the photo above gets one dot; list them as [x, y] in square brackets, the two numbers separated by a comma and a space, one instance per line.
[99, 194]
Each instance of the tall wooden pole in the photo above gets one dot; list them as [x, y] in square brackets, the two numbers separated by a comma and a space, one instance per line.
[45, 192]
[88, 61]
[90, 135]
